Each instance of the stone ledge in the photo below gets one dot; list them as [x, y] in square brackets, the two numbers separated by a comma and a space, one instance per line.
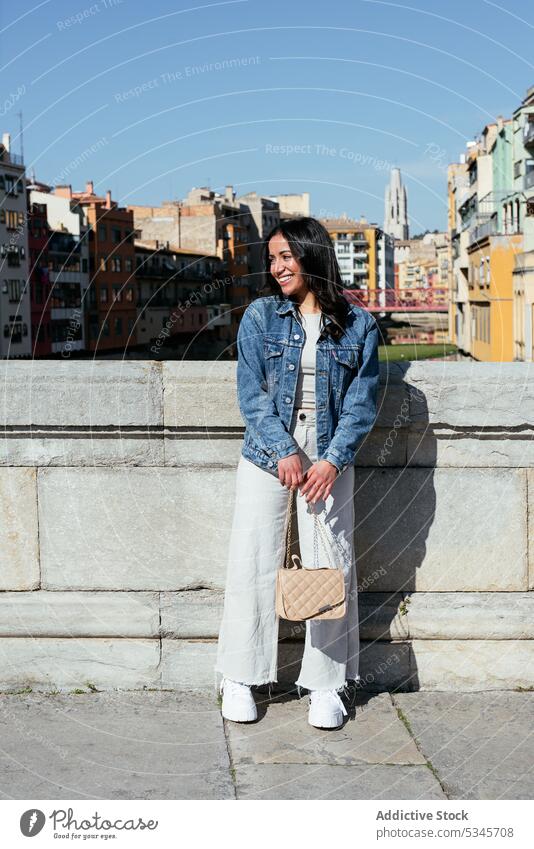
[79, 614]
[66, 664]
[90, 393]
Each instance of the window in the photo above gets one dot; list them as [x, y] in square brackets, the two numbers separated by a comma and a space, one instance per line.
[116, 263]
[129, 294]
[117, 294]
[105, 328]
[103, 264]
[14, 290]
[116, 235]
[102, 233]
[128, 265]
[103, 294]
[118, 327]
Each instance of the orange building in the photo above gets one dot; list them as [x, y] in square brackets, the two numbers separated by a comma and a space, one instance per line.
[111, 311]
[491, 295]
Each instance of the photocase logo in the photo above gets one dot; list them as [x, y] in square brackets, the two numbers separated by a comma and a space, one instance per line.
[31, 822]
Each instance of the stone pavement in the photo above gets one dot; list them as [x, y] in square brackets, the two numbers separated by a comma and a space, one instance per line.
[174, 745]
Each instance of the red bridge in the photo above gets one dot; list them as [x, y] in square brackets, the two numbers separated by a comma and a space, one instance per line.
[400, 300]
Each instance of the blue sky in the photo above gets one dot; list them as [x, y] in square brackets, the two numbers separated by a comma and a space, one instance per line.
[150, 99]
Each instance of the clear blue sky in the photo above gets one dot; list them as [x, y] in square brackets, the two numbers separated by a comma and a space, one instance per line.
[359, 85]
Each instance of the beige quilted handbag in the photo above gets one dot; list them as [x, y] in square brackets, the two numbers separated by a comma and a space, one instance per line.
[303, 593]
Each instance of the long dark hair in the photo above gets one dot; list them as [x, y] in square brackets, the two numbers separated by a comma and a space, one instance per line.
[310, 244]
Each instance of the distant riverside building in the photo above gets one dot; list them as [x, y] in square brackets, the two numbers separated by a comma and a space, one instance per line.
[396, 207]
[181, 299]
[264, 215]
[209, 223]
[59, 273]
[364, 253]
[111, 310]
[423, 264]
[491, 226]
[292, 205]
[15, 308]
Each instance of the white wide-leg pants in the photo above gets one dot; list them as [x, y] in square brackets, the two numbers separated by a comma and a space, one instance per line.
[248, 638]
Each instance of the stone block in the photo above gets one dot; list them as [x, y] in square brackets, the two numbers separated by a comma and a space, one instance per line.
[89, 393]
[441, 529]
[87, 447]
[468, 616]
[470, 393]
[309, 781]
[134, 529]
[435, 446]
[468, 665]
[189, 665]
[479, 744]
[200, 395]
[79, 614]
[19, 532]
[376, 736]
[67, 664]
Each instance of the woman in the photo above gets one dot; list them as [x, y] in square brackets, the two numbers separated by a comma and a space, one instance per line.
[307, 380]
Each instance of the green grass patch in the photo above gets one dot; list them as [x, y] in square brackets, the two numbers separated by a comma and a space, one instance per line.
[397, 353]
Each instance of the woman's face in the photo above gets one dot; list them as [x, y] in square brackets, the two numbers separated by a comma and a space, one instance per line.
[285, 269]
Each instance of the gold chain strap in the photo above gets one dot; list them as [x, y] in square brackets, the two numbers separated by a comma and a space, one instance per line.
[317, 526]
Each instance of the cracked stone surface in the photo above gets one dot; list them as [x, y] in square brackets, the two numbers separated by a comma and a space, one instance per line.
[158, 744]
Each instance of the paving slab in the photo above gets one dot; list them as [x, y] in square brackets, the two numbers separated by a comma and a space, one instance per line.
[481, 744]
[371, 734]
[133, 745]
[305, 781]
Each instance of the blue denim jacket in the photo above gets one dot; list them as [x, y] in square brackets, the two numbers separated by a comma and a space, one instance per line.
[269, 345]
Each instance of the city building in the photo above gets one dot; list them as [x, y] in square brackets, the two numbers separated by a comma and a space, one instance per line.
[292, 205]
[111, 310]
[210, 223]
[59, 273]
[365, 256]
[180, 300]
[490, 227]
[522, 201]
[264, 215]
[15, 308]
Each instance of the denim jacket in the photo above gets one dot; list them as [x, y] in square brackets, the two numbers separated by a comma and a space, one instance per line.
[270, 339]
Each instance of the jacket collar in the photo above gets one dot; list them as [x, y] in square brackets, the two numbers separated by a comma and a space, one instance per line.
[288, 306]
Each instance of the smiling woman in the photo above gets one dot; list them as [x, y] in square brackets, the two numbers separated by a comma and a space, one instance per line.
[307, 380]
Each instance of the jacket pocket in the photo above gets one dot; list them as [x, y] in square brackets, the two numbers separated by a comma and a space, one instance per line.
[346, 367]
[272, 352]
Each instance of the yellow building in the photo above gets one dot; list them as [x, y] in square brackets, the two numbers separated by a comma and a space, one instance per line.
[357, 247]
[491, 294]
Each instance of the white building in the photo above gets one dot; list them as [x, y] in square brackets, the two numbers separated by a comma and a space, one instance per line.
[15, 309]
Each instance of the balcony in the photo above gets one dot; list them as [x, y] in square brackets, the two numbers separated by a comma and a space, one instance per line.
[528, 134]
[483, 227]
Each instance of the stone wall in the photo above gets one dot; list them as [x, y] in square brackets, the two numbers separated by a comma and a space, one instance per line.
[116, 495]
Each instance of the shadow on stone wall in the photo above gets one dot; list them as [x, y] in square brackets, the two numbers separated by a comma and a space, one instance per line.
[394, 512]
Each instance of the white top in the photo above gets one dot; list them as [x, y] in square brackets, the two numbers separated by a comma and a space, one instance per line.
[305, 395]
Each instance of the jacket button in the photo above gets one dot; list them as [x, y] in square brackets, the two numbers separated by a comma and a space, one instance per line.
[291, 367]
[270, 463]
[296, 336]
[288, 400]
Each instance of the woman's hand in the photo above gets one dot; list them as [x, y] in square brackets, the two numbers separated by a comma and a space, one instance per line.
[319, 481]
[290, 472]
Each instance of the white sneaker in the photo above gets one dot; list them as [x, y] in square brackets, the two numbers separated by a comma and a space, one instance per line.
[326, 709]
[238, 702]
